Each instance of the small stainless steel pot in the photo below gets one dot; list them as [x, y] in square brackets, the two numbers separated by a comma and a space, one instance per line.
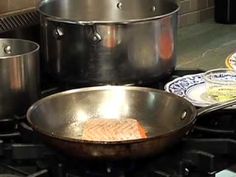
[120, 41]
[19, 75]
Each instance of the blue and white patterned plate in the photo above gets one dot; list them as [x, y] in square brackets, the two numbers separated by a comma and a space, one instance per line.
[190, 87]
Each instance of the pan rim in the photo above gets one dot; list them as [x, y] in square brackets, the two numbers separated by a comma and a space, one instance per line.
[77, 140]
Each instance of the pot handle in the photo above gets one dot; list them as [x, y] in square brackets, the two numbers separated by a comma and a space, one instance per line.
[215, 107]
[93, 35]
[58, 33]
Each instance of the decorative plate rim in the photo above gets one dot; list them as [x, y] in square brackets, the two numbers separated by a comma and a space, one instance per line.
[228, 60]
[194, 102]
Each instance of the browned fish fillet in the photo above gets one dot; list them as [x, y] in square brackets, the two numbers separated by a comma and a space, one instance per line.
[99, 129]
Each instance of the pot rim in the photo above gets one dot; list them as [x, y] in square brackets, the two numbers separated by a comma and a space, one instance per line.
[37, 47]
[92, 22]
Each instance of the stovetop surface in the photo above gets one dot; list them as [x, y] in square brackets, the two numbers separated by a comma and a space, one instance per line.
[209, 150]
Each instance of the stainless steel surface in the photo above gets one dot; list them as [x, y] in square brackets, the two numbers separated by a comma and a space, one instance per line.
[19, 75]
[109, 41]
[166, 118]
[56, 118]
[118, 11]
[112, 102]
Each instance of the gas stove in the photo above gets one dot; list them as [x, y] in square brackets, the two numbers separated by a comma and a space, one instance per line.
[208, 151]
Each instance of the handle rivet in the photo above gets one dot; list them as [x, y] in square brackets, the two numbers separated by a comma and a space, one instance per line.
[8, 49]
[119, 5]
[153, 8]
[95, 38]
[183, 116]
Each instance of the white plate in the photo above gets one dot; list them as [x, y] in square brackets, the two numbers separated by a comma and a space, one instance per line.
[192, 88]
[231, 61]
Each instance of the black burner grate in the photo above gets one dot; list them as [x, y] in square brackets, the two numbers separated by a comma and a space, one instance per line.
[209, 149]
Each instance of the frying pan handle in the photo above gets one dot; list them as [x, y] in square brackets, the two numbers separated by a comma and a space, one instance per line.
[215, 107]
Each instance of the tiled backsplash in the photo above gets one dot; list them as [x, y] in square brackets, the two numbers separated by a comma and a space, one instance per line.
[195, 11]
[192, 11]
[11, 6]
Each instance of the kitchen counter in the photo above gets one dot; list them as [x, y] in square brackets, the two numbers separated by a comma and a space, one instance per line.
[205, 45]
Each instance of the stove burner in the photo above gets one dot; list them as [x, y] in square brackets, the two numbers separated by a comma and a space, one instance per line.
[7, 124]
[207, 151]
[220, 124]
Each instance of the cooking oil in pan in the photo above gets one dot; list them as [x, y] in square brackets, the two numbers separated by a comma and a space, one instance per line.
[71, 130]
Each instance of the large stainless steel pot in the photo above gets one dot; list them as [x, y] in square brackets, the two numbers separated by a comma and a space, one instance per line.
[19, 76]
[120, 41]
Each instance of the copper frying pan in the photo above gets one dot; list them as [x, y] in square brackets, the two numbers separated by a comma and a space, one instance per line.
[165, 116]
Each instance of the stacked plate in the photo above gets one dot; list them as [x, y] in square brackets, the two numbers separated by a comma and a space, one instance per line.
[194, 87]
[190, 87]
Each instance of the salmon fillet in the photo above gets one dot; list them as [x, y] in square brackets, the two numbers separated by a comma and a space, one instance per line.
[99, 129]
